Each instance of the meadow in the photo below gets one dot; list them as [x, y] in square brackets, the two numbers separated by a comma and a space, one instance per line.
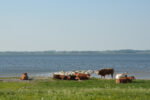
[93, 89]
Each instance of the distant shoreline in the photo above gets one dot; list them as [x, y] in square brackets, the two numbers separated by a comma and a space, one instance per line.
[53, 52]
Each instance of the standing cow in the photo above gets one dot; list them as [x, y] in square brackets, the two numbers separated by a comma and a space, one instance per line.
[105, 71]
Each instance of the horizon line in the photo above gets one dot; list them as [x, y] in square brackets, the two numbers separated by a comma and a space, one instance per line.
[74, 50]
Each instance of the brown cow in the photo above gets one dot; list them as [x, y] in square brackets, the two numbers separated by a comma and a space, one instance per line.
[24, 76]
[56, 76]
[131, 77]
[106, 71]
[71, 77]
[123, 80]
[62, 77]
[81, 76]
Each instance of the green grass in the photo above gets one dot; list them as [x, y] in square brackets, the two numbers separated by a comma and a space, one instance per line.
[93, 89]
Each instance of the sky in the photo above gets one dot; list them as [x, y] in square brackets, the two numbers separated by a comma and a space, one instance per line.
[93, 25]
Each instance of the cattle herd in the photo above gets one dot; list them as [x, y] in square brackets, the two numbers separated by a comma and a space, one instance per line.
[85, 75]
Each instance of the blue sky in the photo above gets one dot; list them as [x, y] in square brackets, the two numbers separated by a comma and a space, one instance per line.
[38, 25]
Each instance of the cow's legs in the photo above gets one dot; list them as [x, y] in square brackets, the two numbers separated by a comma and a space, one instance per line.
[102, 76]
[112, 76]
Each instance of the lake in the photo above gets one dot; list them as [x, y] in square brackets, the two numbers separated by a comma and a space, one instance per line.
[43, 65]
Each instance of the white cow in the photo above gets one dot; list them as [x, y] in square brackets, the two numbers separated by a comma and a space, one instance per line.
[121, 75]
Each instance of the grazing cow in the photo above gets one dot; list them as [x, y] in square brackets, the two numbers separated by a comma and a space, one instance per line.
[24, 76]
[123, 80]
[106, 71]
[71, 77]
[81, 76]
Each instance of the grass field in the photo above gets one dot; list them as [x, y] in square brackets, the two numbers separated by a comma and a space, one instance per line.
[93, 89]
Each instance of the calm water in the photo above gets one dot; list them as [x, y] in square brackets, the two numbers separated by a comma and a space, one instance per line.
[13, 65]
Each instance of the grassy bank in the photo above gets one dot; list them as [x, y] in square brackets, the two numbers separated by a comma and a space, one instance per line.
[93, 89]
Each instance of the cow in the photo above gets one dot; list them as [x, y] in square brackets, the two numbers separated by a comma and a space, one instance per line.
[56, 76]
[71, 77]
[131, 77]
[62, 77]
[121, 75]
[106, 71]
[24, 76]
[81, 76]
[123, 80]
